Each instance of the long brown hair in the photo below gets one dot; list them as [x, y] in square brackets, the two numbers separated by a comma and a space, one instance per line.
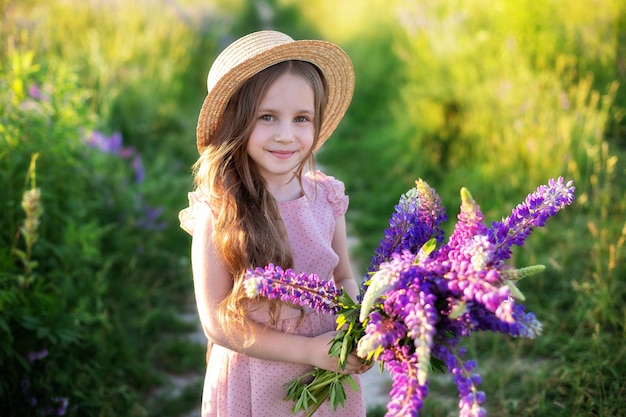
[248, 230]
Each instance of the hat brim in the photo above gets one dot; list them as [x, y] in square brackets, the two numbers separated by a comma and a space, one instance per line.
[332, 61]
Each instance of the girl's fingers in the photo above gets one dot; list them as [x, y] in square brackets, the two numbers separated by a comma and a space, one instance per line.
[353, 364]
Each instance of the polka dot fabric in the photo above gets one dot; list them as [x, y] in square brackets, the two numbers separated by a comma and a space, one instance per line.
[241, 386]
[237, 385]
[310, 222]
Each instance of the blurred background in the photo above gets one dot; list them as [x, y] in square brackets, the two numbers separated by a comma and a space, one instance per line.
[98, 106]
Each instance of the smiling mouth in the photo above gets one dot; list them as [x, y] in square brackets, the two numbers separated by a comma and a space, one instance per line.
[282, 154]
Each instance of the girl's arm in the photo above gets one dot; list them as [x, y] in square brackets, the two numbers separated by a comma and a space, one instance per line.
[343, 276]
[212, 283]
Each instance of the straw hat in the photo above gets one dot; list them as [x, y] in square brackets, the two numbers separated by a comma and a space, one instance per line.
[259, 50]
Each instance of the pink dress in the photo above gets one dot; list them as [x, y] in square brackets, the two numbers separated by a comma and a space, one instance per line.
[237, 385]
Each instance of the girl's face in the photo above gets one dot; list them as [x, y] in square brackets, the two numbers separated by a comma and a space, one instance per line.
[283, 133]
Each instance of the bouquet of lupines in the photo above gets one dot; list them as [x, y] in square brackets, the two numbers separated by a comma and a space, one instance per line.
[421, 297]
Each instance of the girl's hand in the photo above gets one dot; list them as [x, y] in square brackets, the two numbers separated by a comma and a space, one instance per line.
[320, 359]
[365, 366]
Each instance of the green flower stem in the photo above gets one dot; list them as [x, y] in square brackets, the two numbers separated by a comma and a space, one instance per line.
[328, 385]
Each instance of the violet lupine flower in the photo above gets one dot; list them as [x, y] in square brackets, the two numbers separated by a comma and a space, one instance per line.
[421, 318]
[419, 302]
[470, 285]
[110, 144]
[470, 397]
[107, 144]
[471, 256]
[61, 408]
[140, 172]
[301, 289]
[150, 219]
[410, 313]
[35, 92]
[384, 280]
[381, 332]
[36, 355]
[545, 202]
[415, 221]
[407, 394]
[470, 221]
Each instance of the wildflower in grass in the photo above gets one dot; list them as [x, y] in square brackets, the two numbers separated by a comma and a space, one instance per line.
[33, 209]
[107, 144]
[150, 219]
[61, 406]
[31, 204]
[140, 172]
[37, 355]
[35, 92]
[147, 215]
[420, 301]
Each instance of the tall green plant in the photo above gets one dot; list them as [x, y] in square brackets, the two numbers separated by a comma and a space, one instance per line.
[82, 270]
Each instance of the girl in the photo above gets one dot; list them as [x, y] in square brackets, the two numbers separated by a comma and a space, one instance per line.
[271, 103]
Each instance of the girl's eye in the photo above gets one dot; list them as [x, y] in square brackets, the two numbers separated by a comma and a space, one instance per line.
[267, 117]
[301, 119]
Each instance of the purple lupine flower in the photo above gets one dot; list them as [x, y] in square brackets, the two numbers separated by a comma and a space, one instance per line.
[384, 280]
[415, 220]
[40, 354]
[420, 320]
[35, 92]
[545, 202]
[381, 332]
[301, 289]
[410, 312]
[140, 172]
[149, 221]
[470, 397]
[107, 144]
[419, 302]
[62, 404]
[470, 221]
[110, 144]
[407, 394]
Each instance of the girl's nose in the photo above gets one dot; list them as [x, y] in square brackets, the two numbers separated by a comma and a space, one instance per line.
[285, 133]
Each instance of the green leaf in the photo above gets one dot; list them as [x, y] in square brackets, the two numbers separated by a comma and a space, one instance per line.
[20, 254]
[425, 251]
[458, 310]
[437, 365]
[352, 383]
[343, 357]
[515, 292]
[337, 394]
